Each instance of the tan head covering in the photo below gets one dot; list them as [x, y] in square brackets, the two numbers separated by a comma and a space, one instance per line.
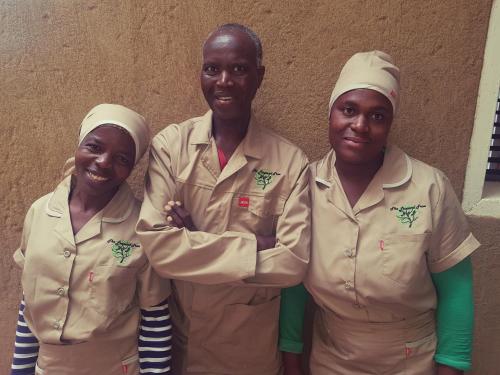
[118, 115]
[374, 70]
[115, 114]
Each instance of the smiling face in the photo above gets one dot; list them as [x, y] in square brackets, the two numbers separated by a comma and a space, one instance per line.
[104, 160]
[230, 76]
[360, 121]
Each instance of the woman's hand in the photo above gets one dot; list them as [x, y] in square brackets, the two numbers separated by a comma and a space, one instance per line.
[447, 370]
[178, 216]
[292, 364]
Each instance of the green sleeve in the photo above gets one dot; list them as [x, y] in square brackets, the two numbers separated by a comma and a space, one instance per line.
[455, 315]
[293, 304]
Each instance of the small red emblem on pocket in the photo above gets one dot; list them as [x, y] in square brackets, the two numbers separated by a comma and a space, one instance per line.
[244, 202]
[408, 352]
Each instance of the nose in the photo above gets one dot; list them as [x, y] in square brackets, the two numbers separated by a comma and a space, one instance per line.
[225, 79]
[104, 160]
[360, 124]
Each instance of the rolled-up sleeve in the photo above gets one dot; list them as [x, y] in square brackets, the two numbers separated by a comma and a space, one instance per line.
[286, 264]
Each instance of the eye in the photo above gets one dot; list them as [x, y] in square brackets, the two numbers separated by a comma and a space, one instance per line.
[348, 111]
[210, 69]
[123, 160]
[92, 147]
[378, 116]
[239, 69]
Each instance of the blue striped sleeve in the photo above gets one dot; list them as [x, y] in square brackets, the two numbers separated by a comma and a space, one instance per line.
[155, 340]
[25, 349]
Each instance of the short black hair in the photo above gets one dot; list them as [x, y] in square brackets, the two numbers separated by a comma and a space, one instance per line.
[249, 32]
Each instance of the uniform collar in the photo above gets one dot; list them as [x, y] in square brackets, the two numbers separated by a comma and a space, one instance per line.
[116, 211]
[325, 171]
[395, 171]
[397, 168]
[251, 145]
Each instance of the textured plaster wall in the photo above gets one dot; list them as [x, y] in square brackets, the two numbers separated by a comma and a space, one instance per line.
[60, 58]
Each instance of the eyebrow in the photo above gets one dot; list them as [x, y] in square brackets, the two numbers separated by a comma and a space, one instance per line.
[381, 108]
[377, 108]
[93, 138]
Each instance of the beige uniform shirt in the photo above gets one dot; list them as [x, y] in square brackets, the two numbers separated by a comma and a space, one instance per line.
[226, 294]
[372, 262]
[88, 286]
[370, 265]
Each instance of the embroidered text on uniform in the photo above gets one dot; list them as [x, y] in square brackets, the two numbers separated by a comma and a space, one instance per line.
[122, 249]
[407, 214]
[264, 178]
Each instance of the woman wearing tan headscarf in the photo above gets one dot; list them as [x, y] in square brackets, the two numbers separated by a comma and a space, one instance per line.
[92, 303]
[390, 245]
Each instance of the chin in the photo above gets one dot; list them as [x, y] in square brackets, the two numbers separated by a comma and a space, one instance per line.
[227, 114]
[355, 159]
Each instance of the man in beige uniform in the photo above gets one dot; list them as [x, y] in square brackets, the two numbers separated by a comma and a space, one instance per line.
[226, 291]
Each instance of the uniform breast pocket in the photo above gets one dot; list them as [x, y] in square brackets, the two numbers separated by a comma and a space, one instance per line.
[256, 214]
[112, 289]
[404, 257]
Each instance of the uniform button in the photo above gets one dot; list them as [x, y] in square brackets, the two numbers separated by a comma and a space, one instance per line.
[56, 325]
[348, 285]
[349, 253]
[67, 253]
[60, 291]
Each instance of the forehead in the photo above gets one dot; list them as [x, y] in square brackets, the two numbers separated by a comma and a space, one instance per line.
[365, 98]
[229, 44]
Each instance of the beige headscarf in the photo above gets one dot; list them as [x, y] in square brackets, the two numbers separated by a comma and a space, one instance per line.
[374, 70]
[118, 115]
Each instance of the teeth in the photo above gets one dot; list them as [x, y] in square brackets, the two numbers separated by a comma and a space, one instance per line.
[96, 177]
[225, 98]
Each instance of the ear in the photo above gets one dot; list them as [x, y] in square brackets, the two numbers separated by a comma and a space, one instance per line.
[260, 74]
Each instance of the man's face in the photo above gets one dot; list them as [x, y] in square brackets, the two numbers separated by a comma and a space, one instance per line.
[230, 76]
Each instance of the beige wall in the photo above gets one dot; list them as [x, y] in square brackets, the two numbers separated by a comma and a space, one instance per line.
[60, 58]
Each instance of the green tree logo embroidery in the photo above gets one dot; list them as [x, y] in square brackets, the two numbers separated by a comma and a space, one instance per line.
[121, 249]
[264, 178]
[407, 214]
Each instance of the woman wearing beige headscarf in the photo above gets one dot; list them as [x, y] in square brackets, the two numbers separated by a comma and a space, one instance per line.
[92, 303]
[390, 245]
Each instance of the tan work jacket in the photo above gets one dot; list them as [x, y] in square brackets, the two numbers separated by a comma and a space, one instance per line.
[371, 263]
[86, 287]
[226, 294]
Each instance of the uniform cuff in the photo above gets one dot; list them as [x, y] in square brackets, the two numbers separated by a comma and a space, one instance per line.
[290, 346]
[249, 263]
[460, 253]
[459, 365]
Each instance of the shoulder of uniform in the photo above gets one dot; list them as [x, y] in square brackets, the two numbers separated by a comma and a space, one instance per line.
[421, 168]
[432, 178]
[40, 205]
[176, 131]
[41, 202]
[284, 143]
